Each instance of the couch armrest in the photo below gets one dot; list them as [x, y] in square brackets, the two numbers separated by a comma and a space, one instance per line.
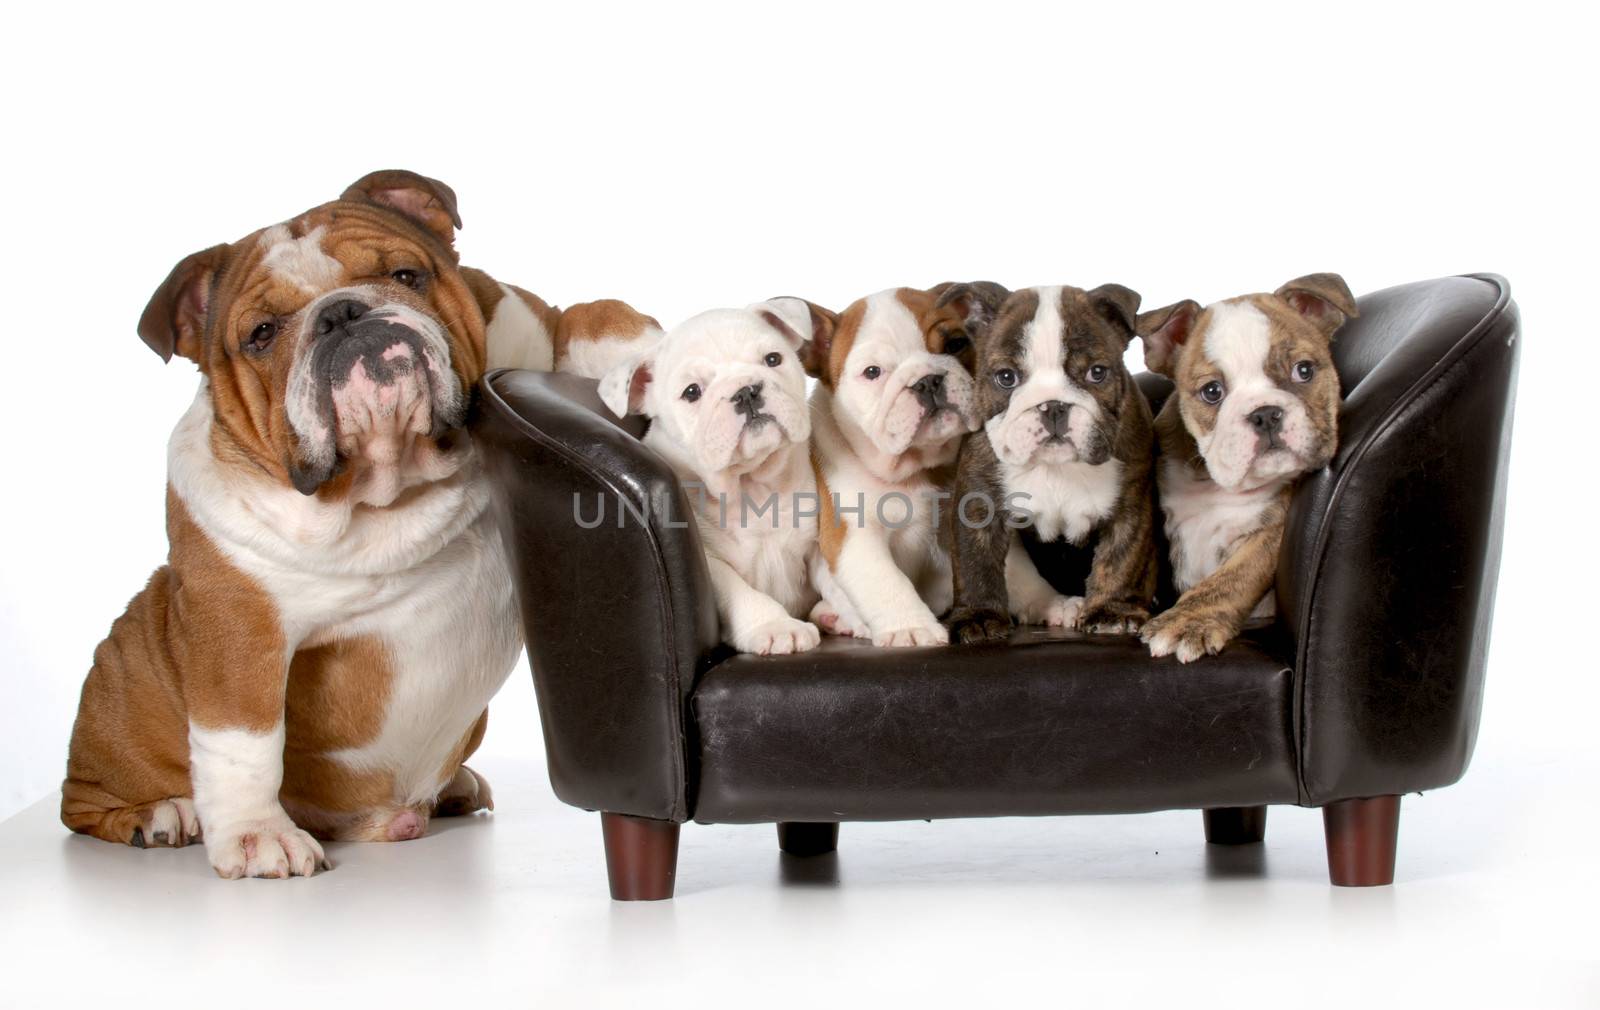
[1387, 576]
[619, 619]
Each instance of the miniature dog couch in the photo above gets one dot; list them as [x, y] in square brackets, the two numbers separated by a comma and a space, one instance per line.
[1367, 685]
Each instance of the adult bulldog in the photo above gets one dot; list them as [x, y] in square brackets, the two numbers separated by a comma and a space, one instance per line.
[316, 657]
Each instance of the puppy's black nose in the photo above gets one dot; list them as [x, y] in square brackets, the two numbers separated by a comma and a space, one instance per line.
[338, 314]
[1053, 415]
[747, 400]
[1266, 420]
[930, 390]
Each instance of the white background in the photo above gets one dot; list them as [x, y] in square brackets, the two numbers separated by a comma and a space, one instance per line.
[684, 160]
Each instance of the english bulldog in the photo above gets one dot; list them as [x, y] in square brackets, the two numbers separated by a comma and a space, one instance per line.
[725, 392]
[316, 657]
[1255, 406]
[1067, 449]
[894, 402]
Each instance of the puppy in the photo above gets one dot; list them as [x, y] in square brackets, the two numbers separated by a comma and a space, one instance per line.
[1067, 449]
[894, 402]
[726, 395]
[1255, 406]
[316, 657]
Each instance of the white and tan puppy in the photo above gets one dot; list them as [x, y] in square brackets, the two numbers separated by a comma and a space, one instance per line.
[725, 392]
[894, 402]
[1255, 406]
[315, 659]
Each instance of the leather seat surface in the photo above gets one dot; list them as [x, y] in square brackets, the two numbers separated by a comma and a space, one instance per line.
[1052, 722]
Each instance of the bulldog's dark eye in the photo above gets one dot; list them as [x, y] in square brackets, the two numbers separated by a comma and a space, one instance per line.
[1212, 392]
[1304, 370]
[1097, 374]
[871, 372]
[261, 337]
[410, 278]
[773, 360]
[956, 344]
[1005, 378]
[692, 393]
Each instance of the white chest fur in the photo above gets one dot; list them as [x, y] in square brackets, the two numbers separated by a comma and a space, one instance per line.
[425, 577]
[1204, 522]
[1066, 499]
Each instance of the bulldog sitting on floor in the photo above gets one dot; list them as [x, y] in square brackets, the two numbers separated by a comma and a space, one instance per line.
[1256, 406]
[315, 659]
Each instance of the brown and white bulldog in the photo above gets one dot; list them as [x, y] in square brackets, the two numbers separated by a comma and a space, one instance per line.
[316, 657]
[1255, 406]
[894, 402]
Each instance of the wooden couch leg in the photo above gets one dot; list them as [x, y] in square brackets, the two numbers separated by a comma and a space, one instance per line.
[1361, 840]
[1235, 825]
[641, 856]
[807, 838]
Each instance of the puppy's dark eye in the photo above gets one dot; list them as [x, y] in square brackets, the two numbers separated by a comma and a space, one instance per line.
[1212, 392]
[1304, 370]
[1097, 374]
[871, 372]
[261, 337]
[773, 360]
[956, 344]
[692, 393]
[1005, 378]
[410, 278]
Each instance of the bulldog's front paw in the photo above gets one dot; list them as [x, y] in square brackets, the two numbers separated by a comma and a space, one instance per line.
[1185, 635]
[1113, 618]
[1051, 611]
[929, 632]
[778, 638]
[833, 622]
[270, 847]
[974, 626]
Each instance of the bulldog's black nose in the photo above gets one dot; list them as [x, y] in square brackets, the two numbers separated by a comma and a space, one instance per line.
[338, 314]
[930, 390]
[1266, 421]
[1053, 415]
[747, 400]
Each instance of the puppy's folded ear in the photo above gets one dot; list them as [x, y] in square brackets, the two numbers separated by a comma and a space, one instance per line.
[622, 388]
[978, 302]
[1163, 331]
[1119, 306]
[807, 326]
[175, 318]
[426, 201]
[1324, 299]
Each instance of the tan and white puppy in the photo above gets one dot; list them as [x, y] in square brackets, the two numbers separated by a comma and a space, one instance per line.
[316, 657]
[894, 402]
[1255, 406]
[725, 392]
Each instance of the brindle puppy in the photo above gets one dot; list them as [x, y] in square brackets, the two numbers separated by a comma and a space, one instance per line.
[1256, 406]
[1066, 448]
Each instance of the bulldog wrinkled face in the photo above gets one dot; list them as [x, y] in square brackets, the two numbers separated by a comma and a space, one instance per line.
[1052, 376]
[1259, 392]
[897, 373]
[727, 386]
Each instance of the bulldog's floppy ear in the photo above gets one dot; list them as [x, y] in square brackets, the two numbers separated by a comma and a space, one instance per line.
[427, 201]
[806, 325]
[978, 302]
[1119, 305]
[1324, 299]
[622, 389]
[1163, 331]
[174, 320]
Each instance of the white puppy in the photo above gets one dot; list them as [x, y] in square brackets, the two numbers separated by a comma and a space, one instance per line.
[726, 395]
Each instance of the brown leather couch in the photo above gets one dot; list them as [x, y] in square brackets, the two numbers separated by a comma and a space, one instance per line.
[1368, 685]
